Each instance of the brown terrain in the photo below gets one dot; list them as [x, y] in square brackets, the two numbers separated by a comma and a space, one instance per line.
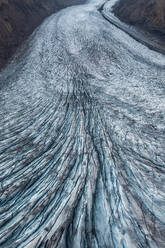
[18, 19]
[148, 14]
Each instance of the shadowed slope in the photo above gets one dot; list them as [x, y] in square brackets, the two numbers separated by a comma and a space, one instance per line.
[18, 19]
[149, 14]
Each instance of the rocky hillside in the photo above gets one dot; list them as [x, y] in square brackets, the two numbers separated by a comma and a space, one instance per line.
[150, 14]
[18, 18]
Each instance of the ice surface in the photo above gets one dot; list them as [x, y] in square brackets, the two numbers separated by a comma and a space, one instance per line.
[82, 138]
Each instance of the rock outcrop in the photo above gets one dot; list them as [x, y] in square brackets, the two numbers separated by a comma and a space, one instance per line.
[147, 14]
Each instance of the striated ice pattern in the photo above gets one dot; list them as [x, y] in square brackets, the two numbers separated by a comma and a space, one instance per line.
[82, 138]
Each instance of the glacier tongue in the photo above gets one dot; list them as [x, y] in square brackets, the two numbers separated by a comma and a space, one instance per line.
[82, 138]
